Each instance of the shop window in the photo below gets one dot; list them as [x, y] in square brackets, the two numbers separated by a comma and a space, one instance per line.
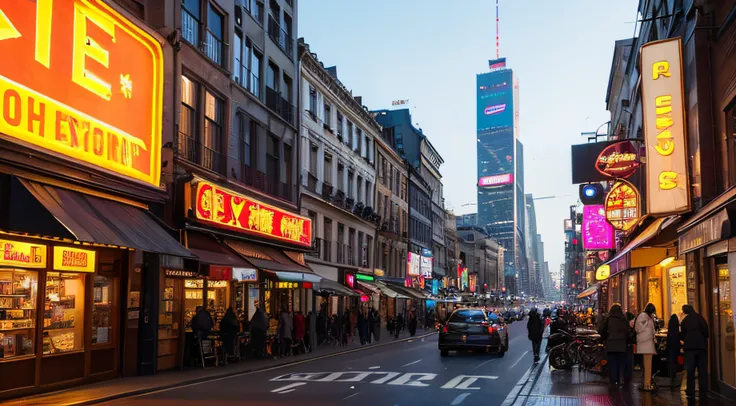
[193, 297]
[102, 310]
[725, 326]
[63, 315]
[678, 289]
[18, 292]
[218, 299]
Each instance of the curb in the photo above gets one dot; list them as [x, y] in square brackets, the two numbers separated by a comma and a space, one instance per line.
[224, 375]
[526, 383]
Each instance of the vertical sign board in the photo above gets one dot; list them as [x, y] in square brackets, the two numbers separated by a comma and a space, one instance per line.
[668, 189]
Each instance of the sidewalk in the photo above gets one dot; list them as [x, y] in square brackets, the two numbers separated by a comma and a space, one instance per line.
[123, 387]
[546, 387]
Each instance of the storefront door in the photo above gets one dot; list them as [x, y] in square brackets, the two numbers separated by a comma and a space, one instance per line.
[723, 324]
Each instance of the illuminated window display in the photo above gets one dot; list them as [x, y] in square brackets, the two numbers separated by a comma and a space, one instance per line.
[218, 299]
[63, 318]
[193, 297]
[102, 310]
[18, 291]
[678, 290]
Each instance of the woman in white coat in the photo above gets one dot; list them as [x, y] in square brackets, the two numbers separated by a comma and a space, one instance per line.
[645, 343]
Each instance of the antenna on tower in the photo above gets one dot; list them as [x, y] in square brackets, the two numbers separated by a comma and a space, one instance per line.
[498, 54]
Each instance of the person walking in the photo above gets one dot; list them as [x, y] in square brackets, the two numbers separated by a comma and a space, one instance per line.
[258, 327]
[630, 343]
[229, 329]
[694, 333]
[412, 321]
[285, 332]
[614, 330]
[673, 348]
[645, 344]
[535, 328]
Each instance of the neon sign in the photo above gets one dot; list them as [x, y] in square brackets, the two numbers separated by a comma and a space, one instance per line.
[622, 206]
[100, 102]
[227, 209]
[598, 234]
[495, 109]
[496, 180]
[619, 160]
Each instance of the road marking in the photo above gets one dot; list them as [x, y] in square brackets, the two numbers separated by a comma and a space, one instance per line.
[350, 396]
[288, 388]
[407, 379]
[464, 382]
[482, 363]
[459, 399]
[519, 360]
[411, 363]
[376, 367]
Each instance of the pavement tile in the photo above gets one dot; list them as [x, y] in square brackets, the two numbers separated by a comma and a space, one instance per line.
[97, 392]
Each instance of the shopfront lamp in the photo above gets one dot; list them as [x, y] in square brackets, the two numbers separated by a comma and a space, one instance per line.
[666, 261]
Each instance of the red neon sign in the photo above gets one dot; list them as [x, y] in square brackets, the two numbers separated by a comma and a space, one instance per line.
[496, 180]
[350, 280]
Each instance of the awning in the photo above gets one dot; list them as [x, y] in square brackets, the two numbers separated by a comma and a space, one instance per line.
[632, 255]
[410, 292]
[96, 220]
[273, 261]
[211, 252]
[588, 292]
[385, 290]
[325, 271]
[326, 285]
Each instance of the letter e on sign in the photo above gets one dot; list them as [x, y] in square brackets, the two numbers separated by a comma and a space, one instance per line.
[86, 84]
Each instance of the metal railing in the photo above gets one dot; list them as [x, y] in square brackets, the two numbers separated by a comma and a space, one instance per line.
[259, 181]
[322, 249]
[189, 27]
[280, 36]
[213, 47]
[245, 78]
[194, 151]
[279, 105]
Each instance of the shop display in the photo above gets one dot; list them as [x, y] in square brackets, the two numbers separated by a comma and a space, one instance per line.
[193, 297]
[64, 312]
[102, 310]
[168, 324]
[18, 289]
[678, 290]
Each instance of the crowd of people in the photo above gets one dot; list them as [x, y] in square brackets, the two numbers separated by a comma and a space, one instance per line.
[632, 341]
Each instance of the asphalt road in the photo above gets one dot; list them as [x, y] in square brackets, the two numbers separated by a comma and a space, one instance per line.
[402, 374]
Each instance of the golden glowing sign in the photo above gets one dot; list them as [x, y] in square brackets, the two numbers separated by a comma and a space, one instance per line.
[602, 273]
[21, 254]
[74, 259]
[664, 128]
[82, 82]
[622, 206]
[227, 209]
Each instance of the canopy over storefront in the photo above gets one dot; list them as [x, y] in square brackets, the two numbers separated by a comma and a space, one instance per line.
[592, 289]
[273, 261]
[328, 286]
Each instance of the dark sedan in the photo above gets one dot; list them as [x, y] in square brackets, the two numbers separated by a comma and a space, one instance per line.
[472, 329]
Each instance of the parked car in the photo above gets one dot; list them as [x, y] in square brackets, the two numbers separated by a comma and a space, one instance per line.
[472, 329]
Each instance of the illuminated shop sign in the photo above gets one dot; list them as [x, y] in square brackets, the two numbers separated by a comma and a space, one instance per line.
[350, 280]
[245, 274]
[181, 273]
[496, 180]
[413, 264]
[426, 267]
[619, 160]
[85, 84]
[603, 272]
[622, 206]
[363, 277]
[22, 254]
[598, 234]
[664, 127]
[227, 209]
[495, 109]
[74, 259]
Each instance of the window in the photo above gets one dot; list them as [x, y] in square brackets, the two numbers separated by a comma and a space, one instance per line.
[368, 194]
[287, 94]
[215, 34]
[288, 168]
[369, 251]
[366, 146]
[273, 160]
[328, 168]
[102, 310]
[240, 64]
[18, 293]
[255, 9]
[357, 139]
[248, 134]
[188, 113]
[340, 177]
[190, 20]
[328, 116]
[272, 77]
[255, 71]
[213, 145]
[360, 197]
[63, 324]
[349, 135]
[338, 124]
[312, 102]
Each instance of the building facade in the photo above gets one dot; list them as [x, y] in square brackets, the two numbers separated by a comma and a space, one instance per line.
[453, 250]
[500, 172]
[481, 258]
[337, 173]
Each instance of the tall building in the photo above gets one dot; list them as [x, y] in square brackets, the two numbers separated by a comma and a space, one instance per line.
[501, 208]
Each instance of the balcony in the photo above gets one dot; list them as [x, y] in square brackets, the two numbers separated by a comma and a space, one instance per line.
[322, 249]
[345, 254]
[280, 37]
[279, 105]
[245, 78]
[259, 181]
[190, 27]
[195, 152]
[211, 46]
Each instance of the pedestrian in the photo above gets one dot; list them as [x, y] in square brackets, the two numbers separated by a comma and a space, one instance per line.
[353, 323]
[535, 327]
[229, 328]
[694, 333]
[202, 323]
[614, 330]
[347, 328]
[673, 348]
[285, 332]
[258, 327]
[645, 343]
[412, 321]
[362, 322]
[375, 320]
[366, 324]
[630, 344]
[399, 324]
[300, 330]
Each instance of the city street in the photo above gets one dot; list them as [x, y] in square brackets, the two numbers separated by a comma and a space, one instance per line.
[408, 373]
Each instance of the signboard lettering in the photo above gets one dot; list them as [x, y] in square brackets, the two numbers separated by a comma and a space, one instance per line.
[496, 180]
[706, 232]
[85, 83]
[598, 234]
[74, 259]
[664, 127]
[622, 206]
[227, 209]
[22, 254]
[619, 160]
[181, 273]
[245, 275]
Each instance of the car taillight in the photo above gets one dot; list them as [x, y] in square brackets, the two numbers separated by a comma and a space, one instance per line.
[491, 330]
[444, 329]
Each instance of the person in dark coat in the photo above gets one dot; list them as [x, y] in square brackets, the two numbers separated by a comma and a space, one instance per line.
[535, 327]
[229, 328]
[694, 333]
[258, 328]
[412, 315]
[629, 365]
[673, 348]
[362, 323]
[202, 322]
[614, 330]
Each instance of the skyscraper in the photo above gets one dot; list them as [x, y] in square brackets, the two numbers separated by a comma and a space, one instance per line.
[501, 208]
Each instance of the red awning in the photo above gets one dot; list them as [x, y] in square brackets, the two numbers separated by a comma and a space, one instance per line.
[211, 252]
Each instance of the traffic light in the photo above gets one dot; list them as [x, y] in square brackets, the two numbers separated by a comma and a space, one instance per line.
[591, 193]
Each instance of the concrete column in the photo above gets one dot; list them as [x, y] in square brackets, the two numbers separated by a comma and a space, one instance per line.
[320, 167]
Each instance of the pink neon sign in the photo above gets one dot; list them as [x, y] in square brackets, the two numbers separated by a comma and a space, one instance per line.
[496, 180]
[598, 233]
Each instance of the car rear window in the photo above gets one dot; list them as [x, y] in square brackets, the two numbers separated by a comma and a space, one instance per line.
[468, 316]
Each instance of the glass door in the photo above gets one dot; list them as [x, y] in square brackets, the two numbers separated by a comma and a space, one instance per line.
[724, 325]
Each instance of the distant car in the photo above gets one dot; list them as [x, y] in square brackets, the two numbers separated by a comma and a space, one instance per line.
[472, 329]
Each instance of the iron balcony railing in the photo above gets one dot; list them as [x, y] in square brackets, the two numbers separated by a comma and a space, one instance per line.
[194, 151]
[210, 45]
[245, 78]
[279, 105]
[280, 36]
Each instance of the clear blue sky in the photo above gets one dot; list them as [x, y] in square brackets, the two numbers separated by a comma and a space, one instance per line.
[429, 51]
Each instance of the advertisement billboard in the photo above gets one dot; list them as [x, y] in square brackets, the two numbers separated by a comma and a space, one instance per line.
[496, 180]
[663, 109]
[495, 102]
[425, 267]
[85, 84]
[598, 233]
[614, 159]
[413, 262]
